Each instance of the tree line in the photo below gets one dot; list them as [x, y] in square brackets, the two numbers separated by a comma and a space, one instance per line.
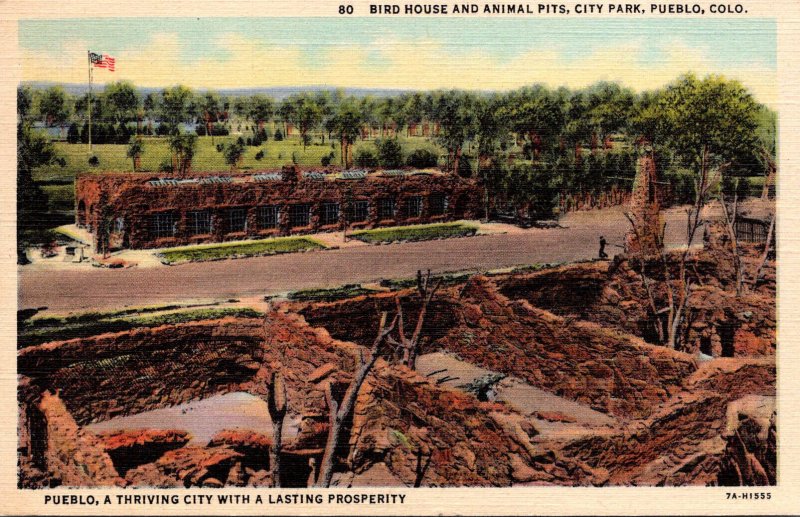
[529, 145]
[535, 123]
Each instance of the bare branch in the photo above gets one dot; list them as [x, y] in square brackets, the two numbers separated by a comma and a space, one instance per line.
[337, 414]
[765, 255]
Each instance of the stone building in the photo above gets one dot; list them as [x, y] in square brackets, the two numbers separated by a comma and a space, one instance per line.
[124, 210]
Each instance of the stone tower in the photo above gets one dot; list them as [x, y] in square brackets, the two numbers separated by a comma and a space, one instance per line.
[645, 208]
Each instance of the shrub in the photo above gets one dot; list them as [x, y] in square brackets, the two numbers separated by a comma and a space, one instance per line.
[123, 134]
[390, 153]
[295, 158]
[464, 167]
[94, 161]
[738, 186]
[327, 159]
[259, 155]
[233, 154]
[259, 137]
[422, 159]
[415, 233]
[165, 129]
[366, 158]
[220, 147]
[278, 135]
[165, 166]
[73, 135]
[237, 250]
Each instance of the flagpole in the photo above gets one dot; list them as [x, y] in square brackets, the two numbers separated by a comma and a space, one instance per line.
[89, 57]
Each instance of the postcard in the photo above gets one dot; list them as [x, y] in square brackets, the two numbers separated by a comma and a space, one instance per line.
[411, 258]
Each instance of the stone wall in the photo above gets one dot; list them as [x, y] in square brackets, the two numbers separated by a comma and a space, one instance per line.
[129, 372]
[73, 457]
[613, 372]
[685, 441]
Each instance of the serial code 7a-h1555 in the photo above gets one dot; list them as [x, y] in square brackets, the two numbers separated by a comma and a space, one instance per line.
[749, 496]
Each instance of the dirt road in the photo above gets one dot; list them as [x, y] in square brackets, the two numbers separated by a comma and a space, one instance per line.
[63, 291]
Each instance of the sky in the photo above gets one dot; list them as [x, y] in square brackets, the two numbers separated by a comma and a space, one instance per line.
[403, 53]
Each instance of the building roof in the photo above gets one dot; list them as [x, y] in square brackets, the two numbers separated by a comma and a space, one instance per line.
[157, 180]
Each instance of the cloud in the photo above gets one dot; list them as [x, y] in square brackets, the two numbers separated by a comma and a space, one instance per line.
[390, 62]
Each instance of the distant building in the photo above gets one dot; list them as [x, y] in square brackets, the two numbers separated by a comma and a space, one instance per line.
[137, 210]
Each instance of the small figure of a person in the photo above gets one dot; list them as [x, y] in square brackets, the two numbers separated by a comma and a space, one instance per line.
[602, 253]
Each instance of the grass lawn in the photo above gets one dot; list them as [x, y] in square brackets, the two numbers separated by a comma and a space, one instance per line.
[206, 252]
[156, 151]
[329, 294]
[42, 330]
[60, 198]
[423, 232]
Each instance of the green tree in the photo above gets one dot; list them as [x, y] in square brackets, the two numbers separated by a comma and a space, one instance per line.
[491, 130]
[262, 108]
[233, 153]
[24, 103]
[210, 107]
[305, 114]
[708, 122]
[150, 106]
[134, 152]
[538, 114]
[183, 147]
[176, 104]
[122, 101]
[54, 106]
[390, 153]
[608, 109]
[346, 124]
[766, 135]
[454, 112]
[34, 149]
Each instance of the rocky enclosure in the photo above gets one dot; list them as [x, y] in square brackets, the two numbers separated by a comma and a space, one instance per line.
[578, 392]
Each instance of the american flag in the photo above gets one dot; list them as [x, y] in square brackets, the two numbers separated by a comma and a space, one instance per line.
[102, 61]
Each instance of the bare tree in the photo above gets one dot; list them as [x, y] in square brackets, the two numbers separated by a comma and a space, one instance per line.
[647, 282]
[408, 346]
[338, 414]
[767, 248]
[276, 405]
[677, 289]
[423, 462]
[742, 279]
[730, 228]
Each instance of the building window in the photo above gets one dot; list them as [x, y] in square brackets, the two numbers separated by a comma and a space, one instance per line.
[330, 214]
[199, 222]
[299, 215]
[267, 217]
[237, 220]
[414, 206]
[164, 224]
[386, 208]
[359, 211]
[438, 204]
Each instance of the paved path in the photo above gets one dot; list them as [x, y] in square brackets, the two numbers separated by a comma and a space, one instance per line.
[93, 288]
